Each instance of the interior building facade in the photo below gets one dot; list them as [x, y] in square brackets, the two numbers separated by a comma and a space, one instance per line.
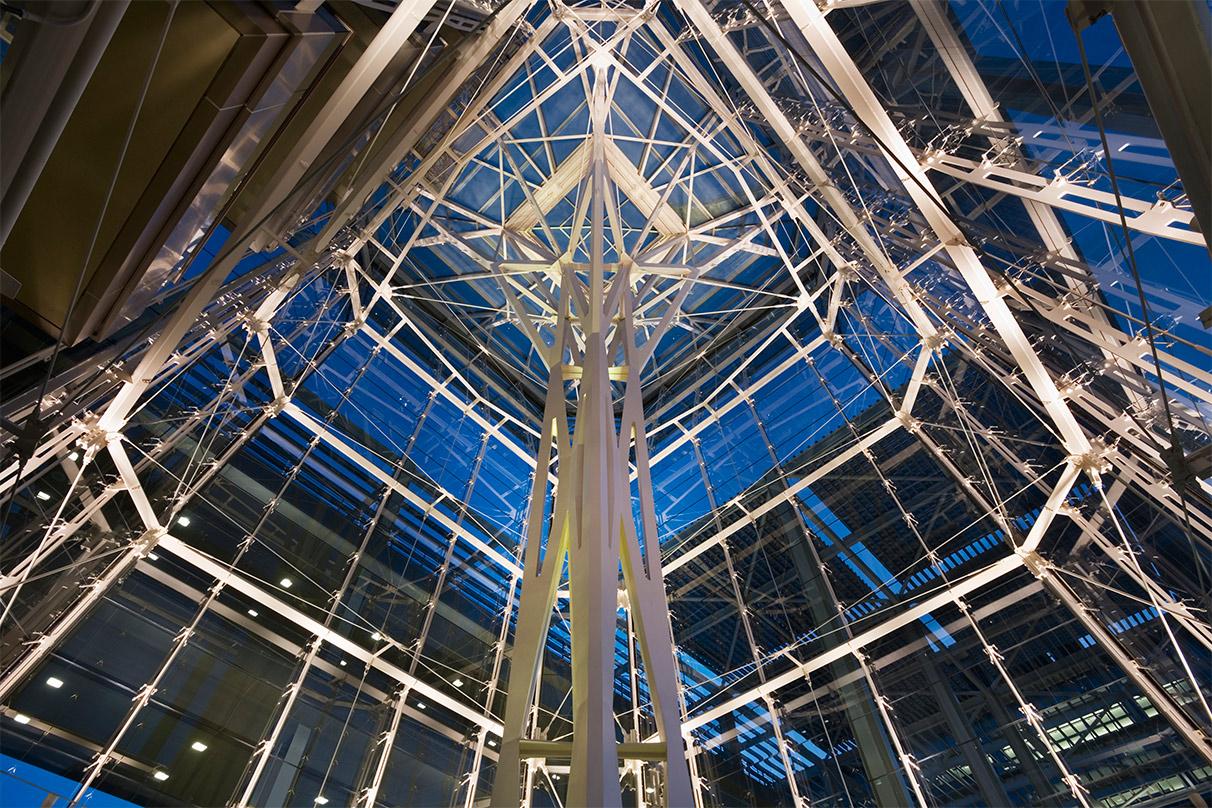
[850, 358]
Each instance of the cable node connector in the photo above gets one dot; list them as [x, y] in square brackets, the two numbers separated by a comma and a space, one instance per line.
[1095, 460]
[1036, 563]
[96, 437]
[911, 424]
[256, 326]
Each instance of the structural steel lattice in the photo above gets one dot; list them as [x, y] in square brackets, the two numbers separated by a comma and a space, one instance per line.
[619, 249]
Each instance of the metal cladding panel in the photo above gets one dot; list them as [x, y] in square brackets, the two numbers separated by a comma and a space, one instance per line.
[197, 93]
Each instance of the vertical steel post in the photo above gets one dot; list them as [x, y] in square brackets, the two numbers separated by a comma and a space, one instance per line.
[592, 519]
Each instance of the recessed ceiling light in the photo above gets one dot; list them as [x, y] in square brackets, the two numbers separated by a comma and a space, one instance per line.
[285, 583]
[160, 775]
[492, 742]
[55, 682]
[153, 557]
[198, 746]
[376, 636]
[457, 682]
[252, 612]
[183, 521]
[42, 495]
[21, 718]
[74, 456]
[420, 705]
[321, 800]
[342, 663]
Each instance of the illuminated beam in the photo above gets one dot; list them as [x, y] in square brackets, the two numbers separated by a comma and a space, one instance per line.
[861, 638]
[854, 88]
[430, 509]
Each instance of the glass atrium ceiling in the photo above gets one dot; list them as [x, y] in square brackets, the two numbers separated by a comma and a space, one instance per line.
[925, 309]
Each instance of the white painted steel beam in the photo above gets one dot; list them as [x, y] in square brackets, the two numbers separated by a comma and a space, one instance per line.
[829, 195]
[252, 590]
[836, 461]
[387, 42]
[433, 510]
[864, 637]
[470, 55]
[854, 87]
[1158, 218]
[1043, 197]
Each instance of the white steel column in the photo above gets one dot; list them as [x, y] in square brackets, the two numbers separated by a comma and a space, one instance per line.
[595, 343]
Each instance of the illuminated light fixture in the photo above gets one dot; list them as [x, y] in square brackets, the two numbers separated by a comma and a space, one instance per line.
[153, 557]
[183, 521]
[74, 456]
[650, 790]
[160, 775]
[492, 742]
[376, 636]
[457, 682]
[55, 682]
[198, 746]
[21, 718]
[285, 583]
[321, 800]
[252, 612]
[420, 705]
[42, 495]
[342, 663]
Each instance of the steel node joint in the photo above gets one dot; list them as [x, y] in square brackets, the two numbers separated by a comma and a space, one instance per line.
[98, 434]
[935, 342]
[1035, 563]
[911, 424]
[275, 407]
[1095, 461]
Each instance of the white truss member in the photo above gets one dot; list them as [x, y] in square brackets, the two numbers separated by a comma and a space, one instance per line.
[634, 402]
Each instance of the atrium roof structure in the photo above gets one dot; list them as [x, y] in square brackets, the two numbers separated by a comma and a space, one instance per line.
[606, 402]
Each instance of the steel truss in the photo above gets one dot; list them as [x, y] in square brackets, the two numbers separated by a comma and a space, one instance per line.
[595, 302]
